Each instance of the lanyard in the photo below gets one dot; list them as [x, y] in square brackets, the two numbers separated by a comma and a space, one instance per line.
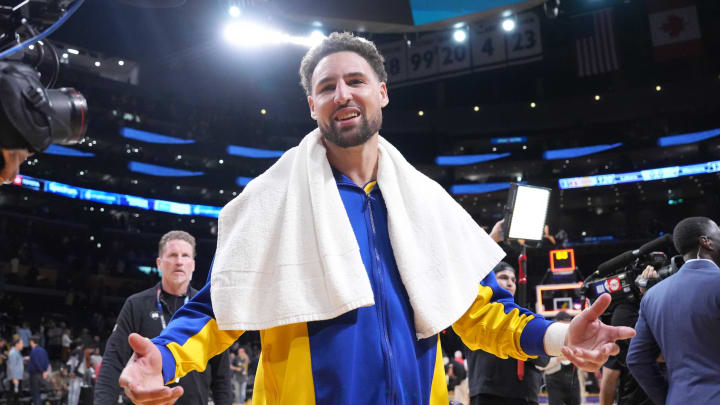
[160, 309]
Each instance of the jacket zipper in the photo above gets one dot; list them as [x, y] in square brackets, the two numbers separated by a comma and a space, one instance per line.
[377, 269]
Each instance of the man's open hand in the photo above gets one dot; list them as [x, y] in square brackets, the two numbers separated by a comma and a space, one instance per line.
[589, 342]
[142, 377]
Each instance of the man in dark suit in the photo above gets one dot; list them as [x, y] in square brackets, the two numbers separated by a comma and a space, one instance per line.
[679, 318]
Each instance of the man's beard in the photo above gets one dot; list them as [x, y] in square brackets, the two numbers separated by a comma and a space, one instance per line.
[354, 136]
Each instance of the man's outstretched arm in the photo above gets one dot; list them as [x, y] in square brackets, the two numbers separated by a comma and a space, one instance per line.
[496, 324]
[188, 343]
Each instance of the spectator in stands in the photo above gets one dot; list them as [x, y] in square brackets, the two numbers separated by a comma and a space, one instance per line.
[239, 365]
[462, 390]
[25, 333]
[456, 374]
[15, 371]
[86, 338]
[148, 312]
[76, 371]
[679, 318]
[497, 381]
[3, 358]
[59, 383]
[561, 378]
[38, 369]
[66, 342]
[54, 338]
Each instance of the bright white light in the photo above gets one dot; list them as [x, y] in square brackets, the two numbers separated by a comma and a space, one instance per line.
[31, 47]
[529, 213]
[508, 24]
[247, 34]
[506, 13]
[73, 51]
[458, 25]
[121, 62]
[316, 37]
[97, 63]
[234, 11]
[460, 35]
[65, 56]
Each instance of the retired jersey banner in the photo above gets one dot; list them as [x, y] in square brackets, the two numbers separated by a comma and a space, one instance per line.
[436, 55]
[674, 28]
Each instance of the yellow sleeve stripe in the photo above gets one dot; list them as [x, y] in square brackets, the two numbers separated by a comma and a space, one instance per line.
[201, 347]
[486, 326]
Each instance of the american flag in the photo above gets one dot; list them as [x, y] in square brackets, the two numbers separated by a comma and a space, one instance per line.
[595, 43]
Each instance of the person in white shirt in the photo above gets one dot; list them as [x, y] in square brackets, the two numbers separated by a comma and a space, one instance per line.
[66, 341]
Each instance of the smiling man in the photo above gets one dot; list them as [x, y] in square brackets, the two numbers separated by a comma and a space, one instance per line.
[349, 262]
[148, 312]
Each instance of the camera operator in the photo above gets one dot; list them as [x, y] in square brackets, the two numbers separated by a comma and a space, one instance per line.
[679, 318]
[616, 378]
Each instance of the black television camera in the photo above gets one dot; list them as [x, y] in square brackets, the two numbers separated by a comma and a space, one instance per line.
[621, 276]
[33, 115]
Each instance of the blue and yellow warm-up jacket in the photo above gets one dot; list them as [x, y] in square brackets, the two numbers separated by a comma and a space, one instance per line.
[366, 356]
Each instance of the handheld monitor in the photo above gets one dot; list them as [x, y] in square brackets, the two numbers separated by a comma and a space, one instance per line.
[526, 212]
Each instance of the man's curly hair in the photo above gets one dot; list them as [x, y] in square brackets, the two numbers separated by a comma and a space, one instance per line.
[340, 42]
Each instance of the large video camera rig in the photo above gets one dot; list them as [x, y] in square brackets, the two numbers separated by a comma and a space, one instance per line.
[33, 115]
[621, 276]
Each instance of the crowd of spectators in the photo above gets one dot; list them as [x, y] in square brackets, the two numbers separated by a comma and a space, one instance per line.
[75, 348]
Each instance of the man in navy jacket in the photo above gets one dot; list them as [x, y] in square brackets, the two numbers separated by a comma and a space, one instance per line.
[37, 368]
[680, 318]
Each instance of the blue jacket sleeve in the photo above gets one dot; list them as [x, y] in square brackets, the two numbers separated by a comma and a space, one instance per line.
[642, 362]
[192, 338]
[497, 325]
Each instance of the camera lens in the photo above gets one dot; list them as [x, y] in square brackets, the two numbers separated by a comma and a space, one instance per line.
[70, 108]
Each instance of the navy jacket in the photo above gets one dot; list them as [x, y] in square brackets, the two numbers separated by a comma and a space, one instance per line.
[680, 318]
[39, 361]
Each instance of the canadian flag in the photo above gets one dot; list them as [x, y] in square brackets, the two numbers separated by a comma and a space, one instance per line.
[674, 28]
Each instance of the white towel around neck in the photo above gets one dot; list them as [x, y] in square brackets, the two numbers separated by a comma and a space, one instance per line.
[287, 253]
